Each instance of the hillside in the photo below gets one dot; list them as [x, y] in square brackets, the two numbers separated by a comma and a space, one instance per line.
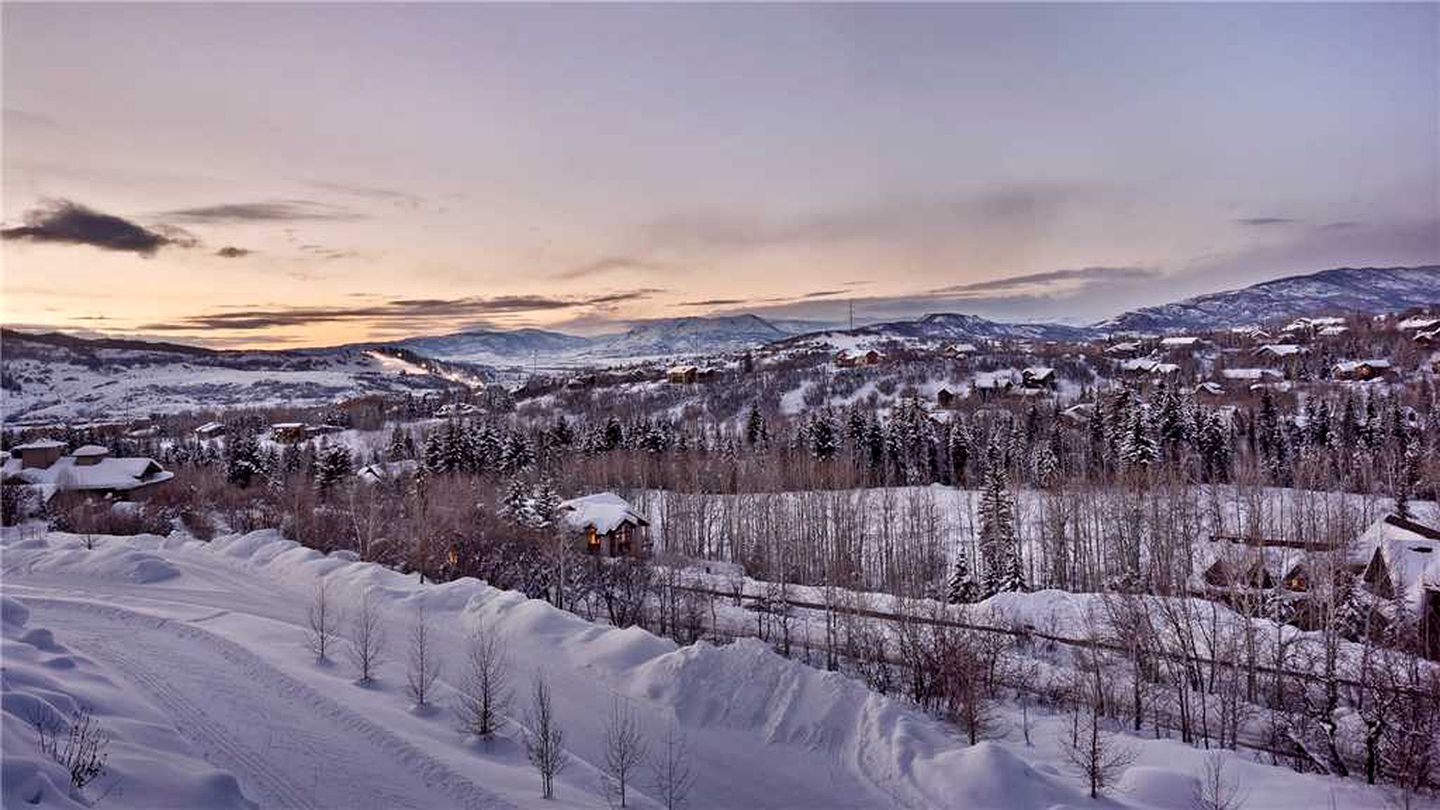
[59, 377]
[1328, 292]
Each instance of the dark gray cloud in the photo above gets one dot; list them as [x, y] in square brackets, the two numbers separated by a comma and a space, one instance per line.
[415, 313]
[270, 211]
[66, 222]
[1263, 221]
[1084, 275]
[715, 302]
[232, 252]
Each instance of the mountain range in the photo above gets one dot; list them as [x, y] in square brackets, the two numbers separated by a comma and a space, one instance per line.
[55, 375]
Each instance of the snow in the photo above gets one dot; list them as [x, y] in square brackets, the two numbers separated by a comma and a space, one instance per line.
[605, 512]
[211, 662]
[119, 474]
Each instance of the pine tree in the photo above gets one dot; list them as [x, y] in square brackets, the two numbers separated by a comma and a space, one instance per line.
[242, 457]
[997, 518]
[756, 432]
[963, 589]
[333, 464]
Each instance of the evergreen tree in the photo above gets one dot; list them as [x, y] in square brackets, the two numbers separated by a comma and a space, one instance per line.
[242, 457]
[997, 518]
[756, 432]
[963, 588]
[332, 465]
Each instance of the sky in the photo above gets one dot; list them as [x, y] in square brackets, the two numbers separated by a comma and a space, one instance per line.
[290, 175]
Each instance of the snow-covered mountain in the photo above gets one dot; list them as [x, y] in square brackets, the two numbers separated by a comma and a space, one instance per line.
[933, 330]
[1328, 292]
[54, 376]
[655, 338]
[494, 345]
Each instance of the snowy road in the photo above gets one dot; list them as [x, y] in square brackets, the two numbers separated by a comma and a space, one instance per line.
[309, 751]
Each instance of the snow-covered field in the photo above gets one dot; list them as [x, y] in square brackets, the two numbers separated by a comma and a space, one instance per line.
[193, 657]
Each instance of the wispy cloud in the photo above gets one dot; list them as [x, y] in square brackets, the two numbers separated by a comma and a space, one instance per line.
[1030, 281]
[270, 211]
[609, 264]
[69, 223]
[416, 313]
[232, 252]
[1263, 221]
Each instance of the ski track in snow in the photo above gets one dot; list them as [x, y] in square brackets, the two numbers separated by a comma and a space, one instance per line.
[324, 755]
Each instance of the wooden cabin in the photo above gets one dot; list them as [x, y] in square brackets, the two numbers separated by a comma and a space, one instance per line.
[610, 525]
[682, 375]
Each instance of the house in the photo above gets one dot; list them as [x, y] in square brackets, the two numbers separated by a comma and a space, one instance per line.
[944, 397]
[852, 358]
[1279, 351]
[958, 350]
[1430, 338]
[1125, 350]
[1403, 565]
[1038, 378]
[1360, 369]
[611, 526]
[682, 375]
[1209, 389]
[1333, 331]
[37, 454]
[1164, 369]
[90, 471]
[992, 383]
[1138, 366]
[210, 430]
[287, 432]
[1421, 323]
[1182, 343]
[458, 410]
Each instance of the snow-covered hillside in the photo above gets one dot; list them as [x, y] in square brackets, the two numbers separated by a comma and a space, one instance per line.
[55, 377]
[1329, 292]
[193, 658]
[933, 330]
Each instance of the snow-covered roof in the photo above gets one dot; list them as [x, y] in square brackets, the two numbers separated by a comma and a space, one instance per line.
[1410, 551]
[1164, 368]
[1119, 348]
[287, 426]
[1333, 331]
[1138, 364]
[682, 369]
[39, 444]
[1350, 366]
[1210, 388]
[603, 511]
[210, 427]
[1419, 322]
[994, 379]
[1179, 340]
[119, 474]
[1280, 349]
[91, 450]
[1249, 373]
[1038, 373]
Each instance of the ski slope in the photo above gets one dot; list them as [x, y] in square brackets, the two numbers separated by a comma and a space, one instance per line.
[194, 657]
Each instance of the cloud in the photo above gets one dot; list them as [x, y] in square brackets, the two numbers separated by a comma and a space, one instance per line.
[1084, 275]
[232, 252]
[714, 302]
[1013, 211]
[609, 264]
[66, 222]
[1263, 221]
[414, 313]
[272, 211]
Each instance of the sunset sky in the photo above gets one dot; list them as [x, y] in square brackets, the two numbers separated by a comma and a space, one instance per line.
[273, 175]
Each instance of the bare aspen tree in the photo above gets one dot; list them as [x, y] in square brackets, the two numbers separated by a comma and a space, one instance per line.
[367, 638]
[1219, 789]
[625, 750]
[544, 740]
[484, 692]
[670, 771]
[324, 621]
[423, 660]
[1098, 755]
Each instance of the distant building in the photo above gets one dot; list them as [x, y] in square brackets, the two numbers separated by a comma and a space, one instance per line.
[610, 525]
[1361, 369]
[90, 471]
[852, 358]
[37, 454]
[287, 432]
[210, 430]
[1038, 378]
[682, 375]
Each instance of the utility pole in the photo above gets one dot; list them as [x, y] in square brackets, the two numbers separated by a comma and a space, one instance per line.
[852, 314]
